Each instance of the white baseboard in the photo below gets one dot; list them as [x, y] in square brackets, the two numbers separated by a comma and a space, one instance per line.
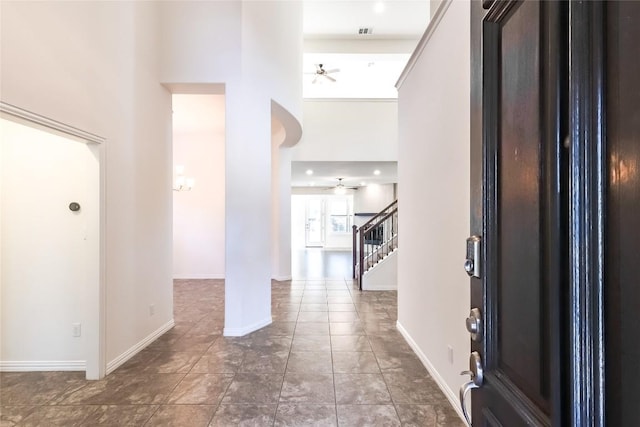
[450, 394]
[198, 276]
[281, 278]
[240, 332]
[43, 365]
[367, 287]
[118, 361]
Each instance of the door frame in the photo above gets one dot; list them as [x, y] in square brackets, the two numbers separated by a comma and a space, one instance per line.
[583, 401]
[95, 329]
[587, 181]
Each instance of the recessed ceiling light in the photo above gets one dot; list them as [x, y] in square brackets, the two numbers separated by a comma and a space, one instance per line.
[363, 183]
[309, 172]
[376, 172]
[378, 7]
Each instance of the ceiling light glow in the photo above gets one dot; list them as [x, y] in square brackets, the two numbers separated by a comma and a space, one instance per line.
[378, 7]
[376, 172]
[309, 172]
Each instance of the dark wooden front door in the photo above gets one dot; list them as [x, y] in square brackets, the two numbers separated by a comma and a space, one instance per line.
[555, 196]
[524, 213]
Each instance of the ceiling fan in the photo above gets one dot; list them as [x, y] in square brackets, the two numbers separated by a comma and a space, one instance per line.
[321, 72]
[340, 188]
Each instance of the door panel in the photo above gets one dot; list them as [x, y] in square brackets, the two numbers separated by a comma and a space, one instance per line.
[520, 349]
[524, 172]
[623, 221]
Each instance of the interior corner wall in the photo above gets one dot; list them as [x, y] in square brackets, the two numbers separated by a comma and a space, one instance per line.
[349, 130]
[198, 214]
[433, 290]
[94, 66]
[201, 41]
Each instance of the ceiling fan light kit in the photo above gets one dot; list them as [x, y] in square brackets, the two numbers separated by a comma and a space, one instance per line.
[321, 74]
[340, 188]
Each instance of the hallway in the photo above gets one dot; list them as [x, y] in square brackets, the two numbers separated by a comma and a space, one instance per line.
[331, 357]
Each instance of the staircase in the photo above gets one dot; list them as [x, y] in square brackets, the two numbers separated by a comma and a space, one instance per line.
[374, 242]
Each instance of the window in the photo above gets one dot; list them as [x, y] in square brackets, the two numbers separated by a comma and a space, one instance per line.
[339, 216]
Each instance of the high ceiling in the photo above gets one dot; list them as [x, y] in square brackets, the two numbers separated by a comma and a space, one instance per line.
[365, 72]
[390, 19]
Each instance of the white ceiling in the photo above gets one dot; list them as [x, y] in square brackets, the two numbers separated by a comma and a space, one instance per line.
[365, 72]
[353, 174]
[362, 74]
[343, 18]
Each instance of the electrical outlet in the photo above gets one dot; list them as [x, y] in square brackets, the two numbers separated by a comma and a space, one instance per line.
[152, 309]
[450, 354]
[77, 329]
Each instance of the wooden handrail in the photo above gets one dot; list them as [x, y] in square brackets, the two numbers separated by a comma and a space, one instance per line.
[377, 224]
[395, 202]
[360, 235]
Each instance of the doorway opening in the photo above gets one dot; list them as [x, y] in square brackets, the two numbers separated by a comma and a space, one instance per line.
[321, 235]
[321, 221]
[199, 186]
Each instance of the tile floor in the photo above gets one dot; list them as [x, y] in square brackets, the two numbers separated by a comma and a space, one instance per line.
[331, 357]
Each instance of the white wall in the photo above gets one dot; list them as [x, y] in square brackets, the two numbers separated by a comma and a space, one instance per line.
[345, 130]
[93, 65]
[198, 214]
[45, 265]
[384, 277]
[255, 50]
[433, 290]
[373, 198]
[201, 41]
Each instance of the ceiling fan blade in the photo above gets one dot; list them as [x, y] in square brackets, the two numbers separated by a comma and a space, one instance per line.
[333, 70]
[330, 78]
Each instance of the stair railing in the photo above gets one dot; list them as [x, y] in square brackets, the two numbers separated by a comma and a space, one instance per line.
[374, 240]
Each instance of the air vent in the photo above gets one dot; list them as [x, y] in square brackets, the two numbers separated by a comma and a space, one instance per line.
[365, 31]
